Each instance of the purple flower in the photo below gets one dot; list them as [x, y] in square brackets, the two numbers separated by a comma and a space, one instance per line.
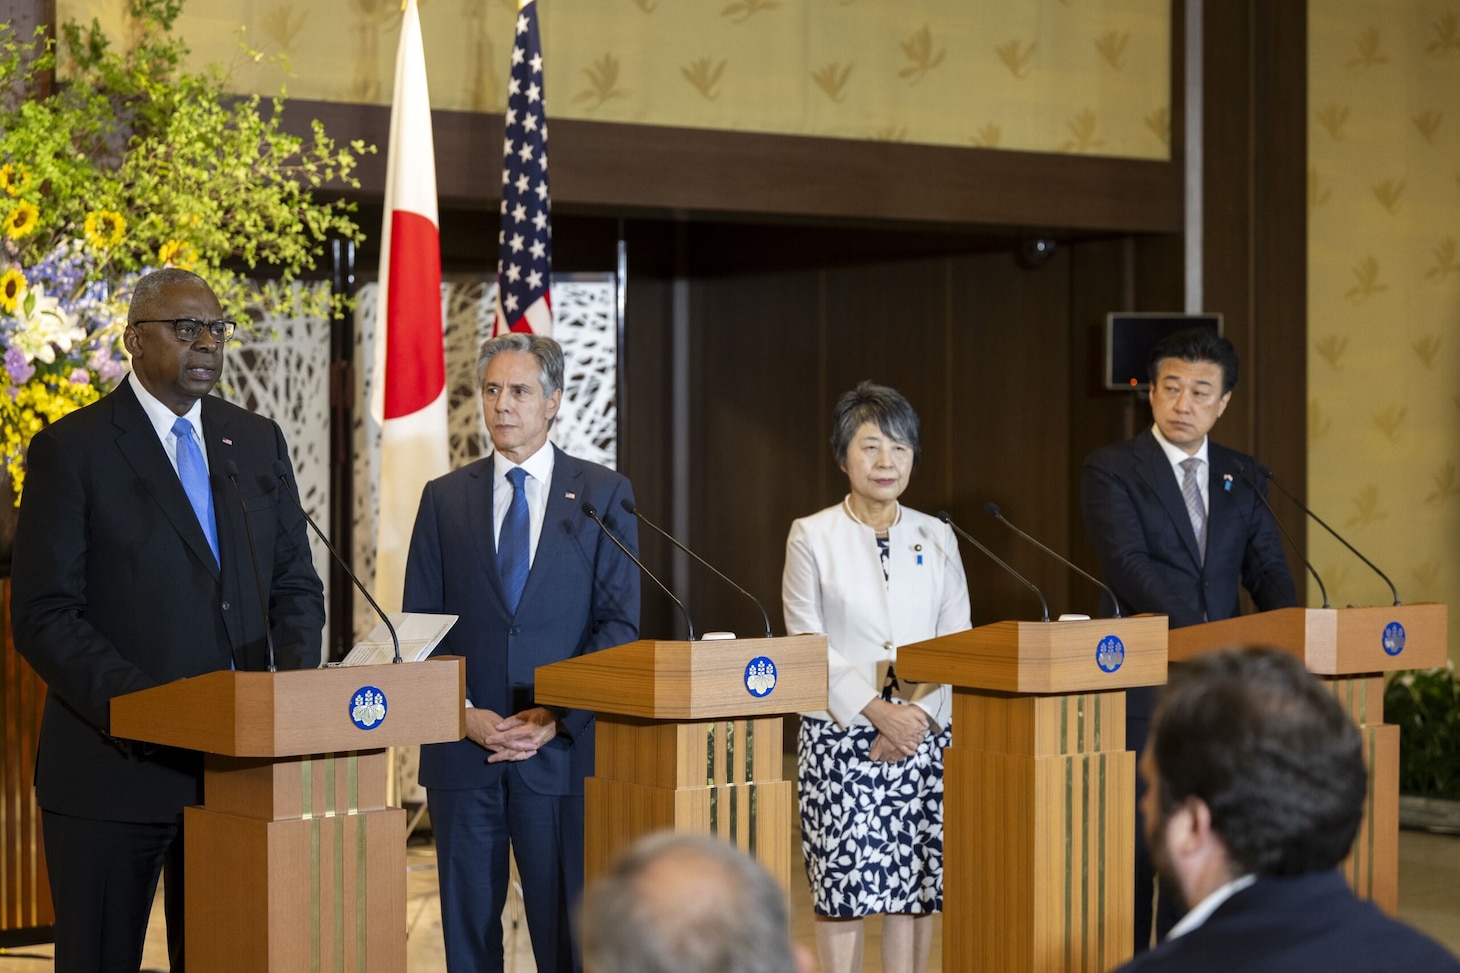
[20, 370]
[108, 368]
[80, 376]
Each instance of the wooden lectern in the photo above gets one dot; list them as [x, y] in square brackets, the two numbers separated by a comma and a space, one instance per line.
[1350, 649]
[689, 739]
[295, 862]
[1039, 789]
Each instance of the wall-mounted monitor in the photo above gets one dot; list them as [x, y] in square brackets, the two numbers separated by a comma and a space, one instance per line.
[1130, 336]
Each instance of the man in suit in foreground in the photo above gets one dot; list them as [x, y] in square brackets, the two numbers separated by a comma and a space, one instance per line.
[132, 569]
[1255, 790]
[1176, 522]
[505, 544]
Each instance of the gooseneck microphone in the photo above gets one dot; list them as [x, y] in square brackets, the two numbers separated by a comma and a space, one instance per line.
[629, 507]
[232, 469]
[1247, 478]
[992, 509]
[1304, 507]
[591, 512]
[1043, 605]
[281, 473]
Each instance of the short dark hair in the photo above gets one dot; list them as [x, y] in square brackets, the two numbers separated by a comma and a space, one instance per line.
[684, 903]
[884, 407]
[148, 291]
[1196, 345]
[1272, 754]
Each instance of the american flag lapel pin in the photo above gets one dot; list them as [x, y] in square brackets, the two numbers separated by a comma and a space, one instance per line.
[227, 442]
[571, 496]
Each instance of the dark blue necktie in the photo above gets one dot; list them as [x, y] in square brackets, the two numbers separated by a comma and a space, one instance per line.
[512, 542]
[193, 472]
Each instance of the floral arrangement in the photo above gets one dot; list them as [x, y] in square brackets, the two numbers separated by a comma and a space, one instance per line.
[128, 164]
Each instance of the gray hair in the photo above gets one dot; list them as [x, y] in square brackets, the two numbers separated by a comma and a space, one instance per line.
[147, 294]
[549, 355]
[884, 407]
[682, 903]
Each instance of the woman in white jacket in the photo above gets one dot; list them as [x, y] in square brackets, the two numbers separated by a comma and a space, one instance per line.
[871, 575]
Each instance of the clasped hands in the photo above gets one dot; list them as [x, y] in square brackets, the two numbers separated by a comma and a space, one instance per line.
[900, 730]
[513, 738]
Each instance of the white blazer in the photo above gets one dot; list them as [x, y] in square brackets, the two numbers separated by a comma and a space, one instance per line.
[833, 586]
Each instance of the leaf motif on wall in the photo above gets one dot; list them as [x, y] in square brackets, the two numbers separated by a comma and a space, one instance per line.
[1332, 118]
[602, 83]
[1339, 575]
[1447, 261]
[648, 6]
[891, 132]
[1111, 46]
[1388, 193]
[1427, 122]
[742, 10]
[1367, 275]
[1159, 122]
[703, 75]
[1366, 507]
[1318, 423]
[280, 24]
[1082, 133]
[1318, 194]
[1389, 420]
[1444, 483]
[1332, 348]
[832, 79]
[1426, 573]
[1447, 35]
[1016, 56]
[1368, 43]
[1425, 349]
[987, 137]
[918, 49]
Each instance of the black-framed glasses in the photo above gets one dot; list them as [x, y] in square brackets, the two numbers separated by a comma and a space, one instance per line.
[190, 329]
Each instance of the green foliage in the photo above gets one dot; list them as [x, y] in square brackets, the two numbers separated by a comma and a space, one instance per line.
[1425, 705]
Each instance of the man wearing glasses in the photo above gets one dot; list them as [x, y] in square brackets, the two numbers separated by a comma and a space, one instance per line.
[131, 570]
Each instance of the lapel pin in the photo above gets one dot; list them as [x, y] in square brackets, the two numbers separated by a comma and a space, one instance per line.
[570, 496]
[228, 442]
[1227, 482]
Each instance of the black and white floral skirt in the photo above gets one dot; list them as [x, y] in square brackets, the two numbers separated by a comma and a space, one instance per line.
[872, 832]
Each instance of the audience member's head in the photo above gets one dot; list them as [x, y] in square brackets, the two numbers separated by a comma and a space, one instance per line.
[1252, 767]
[678, 903]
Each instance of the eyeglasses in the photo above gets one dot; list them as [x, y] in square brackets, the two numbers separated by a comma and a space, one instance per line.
[190, 329]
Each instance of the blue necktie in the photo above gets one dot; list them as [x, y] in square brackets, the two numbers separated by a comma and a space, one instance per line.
[193, 472]
[512, 543]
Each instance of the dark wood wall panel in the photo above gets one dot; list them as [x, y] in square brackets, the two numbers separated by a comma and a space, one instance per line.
[25, 893]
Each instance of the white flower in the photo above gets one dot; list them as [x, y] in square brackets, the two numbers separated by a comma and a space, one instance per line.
[46, 330]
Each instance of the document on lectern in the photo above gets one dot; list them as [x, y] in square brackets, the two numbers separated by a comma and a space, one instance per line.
[419, 633]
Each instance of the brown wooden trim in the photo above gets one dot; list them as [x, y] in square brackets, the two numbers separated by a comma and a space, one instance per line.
[650, 169]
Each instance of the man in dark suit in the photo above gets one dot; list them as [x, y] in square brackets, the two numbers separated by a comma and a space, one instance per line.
[1177, 523]
[504, 544]
[1255, 787]
[132, 570]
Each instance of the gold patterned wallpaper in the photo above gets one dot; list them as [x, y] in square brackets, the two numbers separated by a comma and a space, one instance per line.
[1384, 297]
[1088, 76]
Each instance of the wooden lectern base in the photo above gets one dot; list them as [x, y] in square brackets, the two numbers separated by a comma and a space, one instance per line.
[1372, 866]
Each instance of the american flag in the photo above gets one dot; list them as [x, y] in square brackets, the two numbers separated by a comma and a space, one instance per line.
[524, 241]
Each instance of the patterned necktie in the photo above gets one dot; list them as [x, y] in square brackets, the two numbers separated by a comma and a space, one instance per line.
[1191, 493]
[512, 555]
[193, 472]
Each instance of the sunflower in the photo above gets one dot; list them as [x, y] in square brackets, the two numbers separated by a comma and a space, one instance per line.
[178, 254]
[14, 178]
[12, 287]
[105, 228]
[21, 220]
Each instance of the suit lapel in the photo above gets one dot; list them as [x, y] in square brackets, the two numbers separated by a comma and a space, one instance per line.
[143, 451]
[1158, 473]
[564, 501]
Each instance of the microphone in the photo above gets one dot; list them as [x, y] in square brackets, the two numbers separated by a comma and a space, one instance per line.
[993, 511]
[1303, 507]
[232, 469]
[628, 506]
[591, 512]
[1246, 478]
[1043, 605]
[281, 473]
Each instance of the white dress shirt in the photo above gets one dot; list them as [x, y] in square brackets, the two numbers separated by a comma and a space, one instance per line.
[162, 419]
[1176, 456]
[539, 467]
[1208, 905]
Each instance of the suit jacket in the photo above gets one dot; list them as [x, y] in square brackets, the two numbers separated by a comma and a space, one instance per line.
[582, 595]
[1138, 523]
[116, 590]
[1309, 922]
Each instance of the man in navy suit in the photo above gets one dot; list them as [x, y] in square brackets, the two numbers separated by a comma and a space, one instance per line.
[1255, 787]
[132, 570]
[1177, 523]
[504, 543]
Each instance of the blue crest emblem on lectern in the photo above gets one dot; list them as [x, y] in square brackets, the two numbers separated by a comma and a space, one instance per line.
[760, 676]
[1393, 638]
[367, 707]
[1110, 653]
